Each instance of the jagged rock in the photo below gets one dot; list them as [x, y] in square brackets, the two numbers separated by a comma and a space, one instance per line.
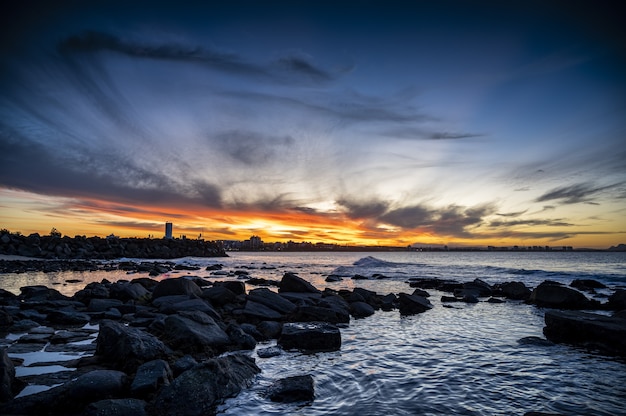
[183, 364]
[412, 304]
[255, 310]
[126, 348]
[269, 352]
[606, 333]
[310, 336]
[294, 283]
[8, 383]
[515, 290]
[126, 291]
[238, 288]
[587, 284]
[40, 293]
[101, 305]
[150, 377]
[117, 407]
[240, 338]
[270, 329]
[292, 389]
[68, 317]
[197, 391]
[176, 286]
[556, 296]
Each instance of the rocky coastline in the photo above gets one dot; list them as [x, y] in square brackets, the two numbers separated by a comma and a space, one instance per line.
[55, 246]
[180, 346]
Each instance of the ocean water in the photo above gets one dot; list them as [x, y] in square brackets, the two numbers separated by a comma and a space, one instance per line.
[460, 360]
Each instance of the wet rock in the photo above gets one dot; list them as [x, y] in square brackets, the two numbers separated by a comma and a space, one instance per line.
[292, 389]
[197, 391]
[9, 385]
[63, 337]
[413, 304]
[270, 329]
[257, 311]
[101, 305]
[333, 278]
[6, 319]
[126, 291]
[420, 292]
[552, 295]
[93, 290]
[190, 305]
[587, 284]
[176, 286]
[310, 336]
[495, 300]
[193, 333]
[269, 352]
[183, 364]
[294, 283]
[240, 338]
[515, 290]
[605, 333]
[40, 293]
[617, 301]
[117, 407]
[272, 300]
[126, 348]
[476, 288]
[68, 317]
[238, 288]
[541, 342]
[150, 377]
[219, 295]
[361, 309]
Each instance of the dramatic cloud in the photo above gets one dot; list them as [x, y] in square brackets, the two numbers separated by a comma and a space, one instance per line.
[574, 194]
[253, 148]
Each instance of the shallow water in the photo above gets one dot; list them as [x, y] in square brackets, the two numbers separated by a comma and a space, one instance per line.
[462, 360]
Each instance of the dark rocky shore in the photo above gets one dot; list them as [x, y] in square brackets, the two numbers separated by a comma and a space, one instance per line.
[178, 346]
[55, 246]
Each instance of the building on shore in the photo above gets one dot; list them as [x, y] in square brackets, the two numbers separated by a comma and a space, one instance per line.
[168, 230]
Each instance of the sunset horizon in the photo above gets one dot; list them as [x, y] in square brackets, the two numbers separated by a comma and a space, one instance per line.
[470, 124]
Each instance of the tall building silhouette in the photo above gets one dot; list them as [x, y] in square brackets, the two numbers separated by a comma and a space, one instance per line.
[168, 230]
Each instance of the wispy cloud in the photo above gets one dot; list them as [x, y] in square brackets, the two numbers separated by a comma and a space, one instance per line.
[573, 194]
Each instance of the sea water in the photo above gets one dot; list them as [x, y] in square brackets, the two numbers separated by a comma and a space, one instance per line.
[464, 359]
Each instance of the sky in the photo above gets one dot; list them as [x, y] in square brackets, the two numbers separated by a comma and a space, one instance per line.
[385, 123]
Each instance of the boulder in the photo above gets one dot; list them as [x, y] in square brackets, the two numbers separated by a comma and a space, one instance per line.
[361, 309]
[126, 348]
[309, 313]
[587, 284]
[219, 295]
[272, 300]
[183, 364]
[198, 391]
[605, 333]
[269, 352]
[270, 329]
[240, 338]
[190, 305]
[294, 283]
[617, 301]
[8, 383]
[238, 288]
[40, 293]
[413, 304]
[117, 407]
[310, 337]
[150, 377]
[257, 311]
[101, 305]
[126, 291]
[176, 286]
[68, 317]
[552, 295]
[515, 291]
[193, 333]
[292, 389]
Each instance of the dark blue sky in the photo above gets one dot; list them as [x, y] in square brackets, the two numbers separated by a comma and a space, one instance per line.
[493, 122]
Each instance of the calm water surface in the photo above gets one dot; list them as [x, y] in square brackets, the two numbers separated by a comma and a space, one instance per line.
[463, 360]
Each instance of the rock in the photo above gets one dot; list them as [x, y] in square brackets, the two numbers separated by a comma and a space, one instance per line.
[420, 292]
[6, 319]
[193, 333]
[197, 391]
[176, 286]
[310, 337]
[101, 305]
[240, 338]
[238, 288]
[272, 300]
[270, 329]
[292, 389]
[617, 301]
[338, 305]
[126, 348]
[219, 295]
[495, 300]
[515, 290]
[117, 407]
[191, 305]
[183, 364]
[254, 310]
[587, 284]
[477, 288]
[555, 296]
[65, 317]
[541, 342]
[150, 377]
[309, 313]
[361, 309]
[470, 298]
[40, 293]
[294, 283]
[333, 278]
[269, 352]
[126, 291]
[8, 383]
[412, 304]
[605, 333]
[93, 290]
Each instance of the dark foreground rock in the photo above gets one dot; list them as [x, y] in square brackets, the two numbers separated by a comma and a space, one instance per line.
[590, 330]
[553, 295]
[412, 304]
[292, 389]
[199, 390]
[310, 337]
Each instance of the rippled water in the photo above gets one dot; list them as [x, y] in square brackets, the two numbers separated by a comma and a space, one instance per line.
[461, 360]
